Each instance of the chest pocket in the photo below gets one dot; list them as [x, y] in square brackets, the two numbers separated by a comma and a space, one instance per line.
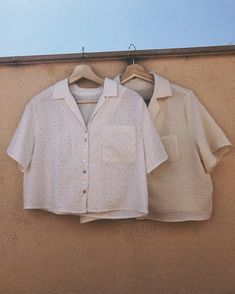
[119, 144]
[170, 143]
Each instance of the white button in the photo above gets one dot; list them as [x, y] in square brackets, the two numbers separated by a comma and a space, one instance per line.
[84, 150]
[84, 160]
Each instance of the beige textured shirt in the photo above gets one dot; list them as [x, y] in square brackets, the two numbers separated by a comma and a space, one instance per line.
[181, 188]
[87, 158]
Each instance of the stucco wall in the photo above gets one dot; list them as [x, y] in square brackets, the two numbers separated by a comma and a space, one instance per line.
[41, 252]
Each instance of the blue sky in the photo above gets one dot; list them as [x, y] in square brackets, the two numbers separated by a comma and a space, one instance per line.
[29, 27]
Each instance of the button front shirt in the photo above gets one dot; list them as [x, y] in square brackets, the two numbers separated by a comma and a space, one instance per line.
[181, 188]
[79, 159]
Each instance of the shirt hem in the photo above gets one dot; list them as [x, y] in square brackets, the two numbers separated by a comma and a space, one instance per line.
[83, 213]
[54, 211]
[177, 218]
[93, 216]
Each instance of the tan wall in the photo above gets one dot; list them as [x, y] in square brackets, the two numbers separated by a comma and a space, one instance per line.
[45, 253]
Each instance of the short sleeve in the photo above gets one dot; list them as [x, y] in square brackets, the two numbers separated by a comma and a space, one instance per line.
[211, 141]
[154, 150]
[22, 142]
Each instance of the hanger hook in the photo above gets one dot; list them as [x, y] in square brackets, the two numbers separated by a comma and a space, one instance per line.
[83, 54]
[133, 60]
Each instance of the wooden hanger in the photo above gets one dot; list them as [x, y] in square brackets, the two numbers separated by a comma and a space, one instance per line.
[84, 71]
[135, 71]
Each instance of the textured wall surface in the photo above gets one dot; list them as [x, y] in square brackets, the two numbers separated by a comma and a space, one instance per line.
[41, 252]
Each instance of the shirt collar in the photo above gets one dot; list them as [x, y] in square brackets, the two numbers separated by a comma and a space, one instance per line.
[61, 89]
[162, 87]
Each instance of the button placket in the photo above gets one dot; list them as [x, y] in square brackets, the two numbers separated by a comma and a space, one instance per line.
[85, 163]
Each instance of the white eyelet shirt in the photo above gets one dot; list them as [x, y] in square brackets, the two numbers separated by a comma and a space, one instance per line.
[80, 159]
[181, 188]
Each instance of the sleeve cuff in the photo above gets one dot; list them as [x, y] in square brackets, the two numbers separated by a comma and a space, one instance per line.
[150, 168]
[20, 164]
[214, 157]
